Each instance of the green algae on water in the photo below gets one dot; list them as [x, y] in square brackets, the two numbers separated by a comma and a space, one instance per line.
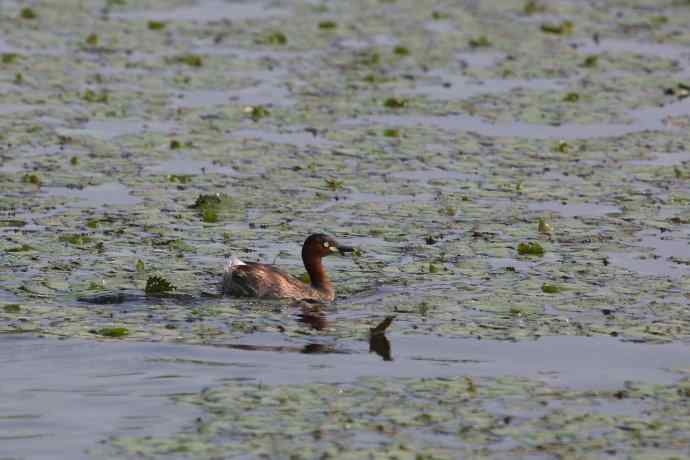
[565, 27]
[12, 308]
[77, 239]
[273, 38]
[544, 227]
[157, 285]
[531, 248]
[210, 207]
[27, 13]
[328, 24]
[180, 178]
[395, 102]
[479, 42]
[533, 7]
[257, 112]
[92, 40]
[21, 248]
[562, 147]
[334, 184]
[114, 331]
[189, 59]
[90, 95]
[155, 25]
[550, 288]
[591, 61]
[9, 58]
[571, 97]
[33, 179]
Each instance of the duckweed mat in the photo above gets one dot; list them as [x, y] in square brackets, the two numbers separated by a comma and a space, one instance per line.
[428, 419]
[509, 170]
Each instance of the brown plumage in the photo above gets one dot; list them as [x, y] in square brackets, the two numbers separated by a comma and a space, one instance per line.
[253, 279]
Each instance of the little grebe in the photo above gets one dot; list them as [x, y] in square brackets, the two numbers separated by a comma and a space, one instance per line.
[253, 279]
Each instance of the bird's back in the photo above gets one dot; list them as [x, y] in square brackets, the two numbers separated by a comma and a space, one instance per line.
[253, 279]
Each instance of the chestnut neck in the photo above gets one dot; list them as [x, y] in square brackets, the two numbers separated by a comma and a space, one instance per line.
[317, 274]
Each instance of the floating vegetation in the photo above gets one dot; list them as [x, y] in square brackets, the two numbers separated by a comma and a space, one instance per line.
[257, 112]
[395, 102]
[334, 184]
[327, 25]
[12, 223]
[458, 412]
[550, 289]
[157, 285]
[533, 7]
[190, 59]
[27, 13]
[155, 25]
[531, 248]
[33, 179]
[565, 27]
[180, 178]
[401, 51]
[273, 38]
[375, 78]
[113, 331]
[423, 308]
[544, 227]
[21, 248]
[439, 186]
[658, 21]
[95, 97]
[9, 58]
[591, 61]
[562, 147]
[210, 207]
[368, 58]
[76, 239]
[12, 308]
[92, 40]
[479, 42]
[571, 97]
[449, 211]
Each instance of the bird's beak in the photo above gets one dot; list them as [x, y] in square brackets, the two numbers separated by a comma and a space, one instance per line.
[343, 249]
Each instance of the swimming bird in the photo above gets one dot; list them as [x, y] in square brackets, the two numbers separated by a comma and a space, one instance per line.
[253, 279]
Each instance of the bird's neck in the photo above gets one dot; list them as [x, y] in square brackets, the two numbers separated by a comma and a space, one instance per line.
[317, 274]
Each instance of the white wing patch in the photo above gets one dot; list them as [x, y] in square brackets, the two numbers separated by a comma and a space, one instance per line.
[232, 262]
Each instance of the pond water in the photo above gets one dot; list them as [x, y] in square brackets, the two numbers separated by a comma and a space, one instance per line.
[126, 389]
[514, 175]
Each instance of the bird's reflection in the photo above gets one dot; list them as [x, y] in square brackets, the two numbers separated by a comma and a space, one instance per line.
[378, 342]
[313, 315]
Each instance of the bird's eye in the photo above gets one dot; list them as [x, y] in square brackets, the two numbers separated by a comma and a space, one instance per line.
[326, 244]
